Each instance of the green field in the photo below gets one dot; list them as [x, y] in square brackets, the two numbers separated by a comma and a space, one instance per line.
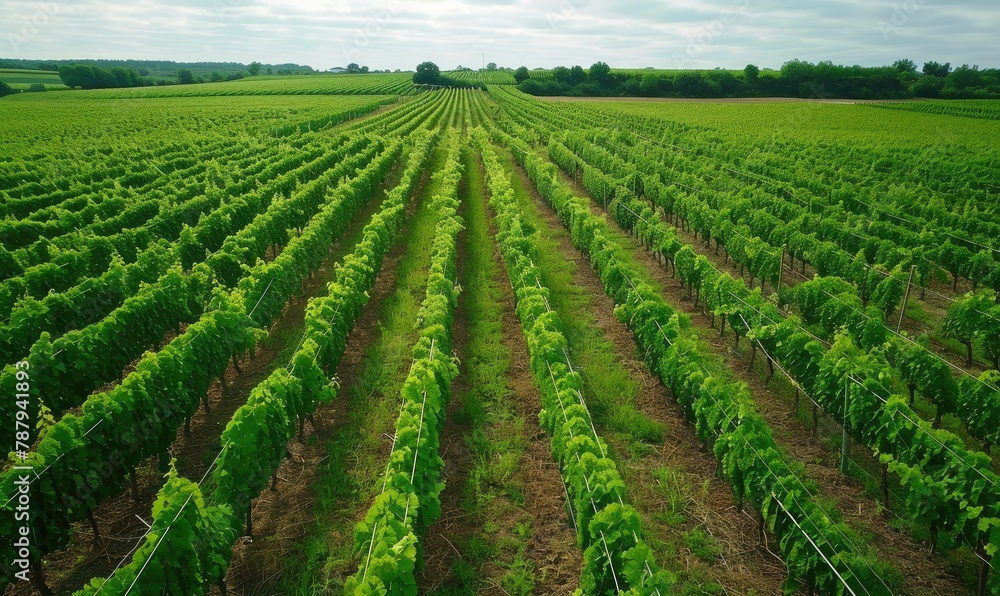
[907, 126]
[339, 334]
[318, 84]
[22, 79]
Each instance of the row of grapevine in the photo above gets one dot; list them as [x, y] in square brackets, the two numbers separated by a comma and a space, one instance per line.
[856, 216]
[486, 77]
[983, 109]
[388, 540]
[827, 556]
[66, 309]
[975, 318]
[46, 213]
[255, 438]
[929, 462]
[368, 84]
[833, 306]
[967, 507]
[915, 364]
[847, 220]
[87, 457]
[607, 527]
[67, 369]
[93, 255]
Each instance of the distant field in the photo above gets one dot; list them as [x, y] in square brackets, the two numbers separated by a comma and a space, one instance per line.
[368, 84]
[985, 109]
[22, 79]
[815, 122]
[44, 126]
[488, 77]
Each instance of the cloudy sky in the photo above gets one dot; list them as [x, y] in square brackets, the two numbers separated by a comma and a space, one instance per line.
[537, 33]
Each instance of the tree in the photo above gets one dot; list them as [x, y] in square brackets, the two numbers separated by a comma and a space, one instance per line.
[650, 85]
[577, 76]
[270, 71]
[427, 73]
[491, 66]
[561, 74]
[752, 73]
[690, 84]
[936, 69]
[70, 76]
[79, 75]
[36, 87]
[600, 73]
[217, 76]
[965, 76]
[928, 86]
[905, 66]
[122, 77]
[521, 75]
[5, 89]
[254, 69]
[184, 77]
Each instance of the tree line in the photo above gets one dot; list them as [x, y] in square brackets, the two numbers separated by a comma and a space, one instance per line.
[157, 68]
[796, 78]
[86, 76]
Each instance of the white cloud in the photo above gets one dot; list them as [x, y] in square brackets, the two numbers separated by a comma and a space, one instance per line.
[401, 33]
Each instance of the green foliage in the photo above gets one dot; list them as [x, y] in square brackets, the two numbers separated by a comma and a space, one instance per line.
[720, 409]
[178, 553]
[388, 540]
[796, 78]
[609, 529]
[976, 319]
[93, 77]
[88, 455]
[702, 545]
[826, 375]
[427, 73]
[979, 406]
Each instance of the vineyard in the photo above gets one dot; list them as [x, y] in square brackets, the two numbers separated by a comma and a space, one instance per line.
[338, 334]
[486, 77]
